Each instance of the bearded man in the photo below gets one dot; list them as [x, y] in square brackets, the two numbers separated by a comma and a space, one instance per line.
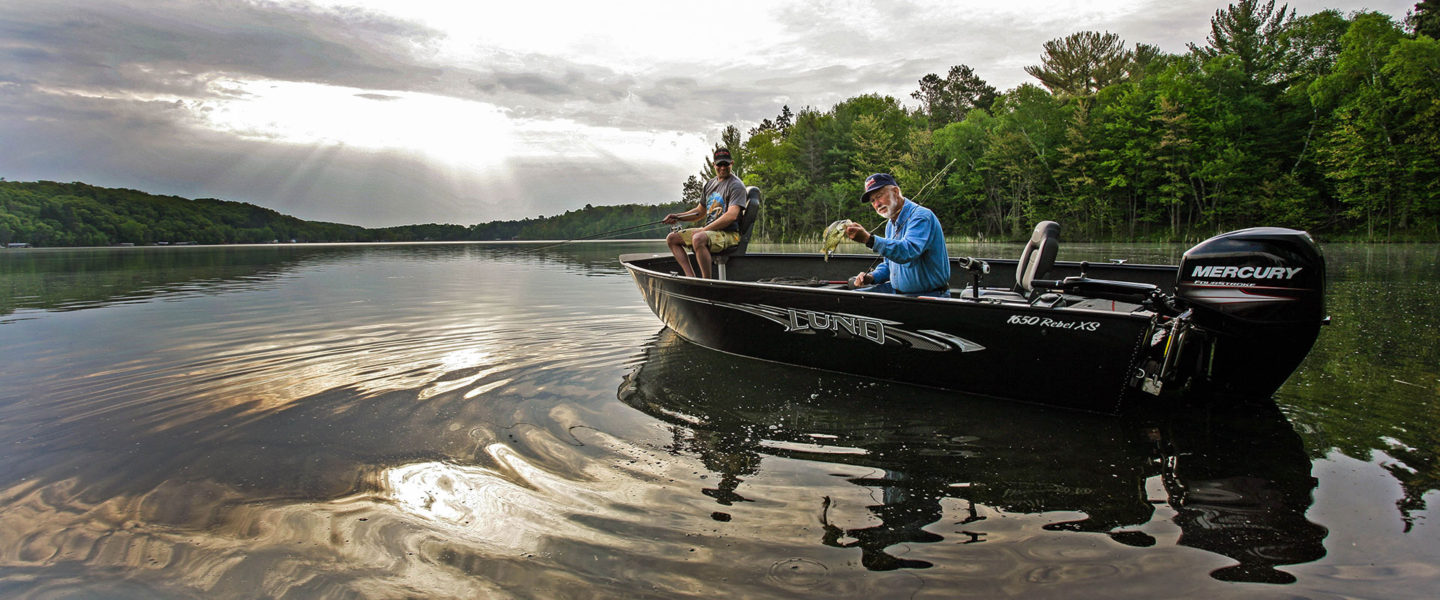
[916, 262]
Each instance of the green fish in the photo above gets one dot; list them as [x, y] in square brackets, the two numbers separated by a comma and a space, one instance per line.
[834, 234]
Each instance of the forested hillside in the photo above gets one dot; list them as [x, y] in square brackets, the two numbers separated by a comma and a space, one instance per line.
[47, 213]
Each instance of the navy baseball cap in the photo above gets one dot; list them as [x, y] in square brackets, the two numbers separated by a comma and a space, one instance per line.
[875, 182]
[722, 156]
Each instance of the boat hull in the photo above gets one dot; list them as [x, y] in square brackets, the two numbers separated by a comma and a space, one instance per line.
[1078, 359]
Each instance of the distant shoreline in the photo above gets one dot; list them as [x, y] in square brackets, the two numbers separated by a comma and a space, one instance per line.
[368, 243]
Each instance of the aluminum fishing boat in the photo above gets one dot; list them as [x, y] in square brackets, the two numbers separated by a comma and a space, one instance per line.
[1234, 318]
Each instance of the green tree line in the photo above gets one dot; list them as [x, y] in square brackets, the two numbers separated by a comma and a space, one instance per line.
[46, 213]
[1324, 122]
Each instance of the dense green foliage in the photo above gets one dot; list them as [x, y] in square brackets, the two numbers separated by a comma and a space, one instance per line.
[46, 213]
[1322, 122]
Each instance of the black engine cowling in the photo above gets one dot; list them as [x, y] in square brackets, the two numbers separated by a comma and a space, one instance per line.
[1260, 276]
[1259, 297]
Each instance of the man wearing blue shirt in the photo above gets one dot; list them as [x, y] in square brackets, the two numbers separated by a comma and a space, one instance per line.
[916, 262]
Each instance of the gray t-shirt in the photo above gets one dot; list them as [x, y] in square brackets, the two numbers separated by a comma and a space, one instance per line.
[719, 194]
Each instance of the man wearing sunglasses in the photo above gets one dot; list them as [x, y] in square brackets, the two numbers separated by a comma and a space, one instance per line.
[721, 201]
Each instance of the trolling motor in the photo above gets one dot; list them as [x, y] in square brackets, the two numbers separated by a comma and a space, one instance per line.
[1146, 294]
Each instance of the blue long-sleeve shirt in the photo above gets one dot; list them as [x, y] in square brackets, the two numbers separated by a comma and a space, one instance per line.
[914, 251]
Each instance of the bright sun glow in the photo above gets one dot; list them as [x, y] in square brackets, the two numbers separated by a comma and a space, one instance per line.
[460, 132]
[465, 134]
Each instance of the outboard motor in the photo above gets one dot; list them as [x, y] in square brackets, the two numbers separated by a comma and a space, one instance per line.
[1258, 297]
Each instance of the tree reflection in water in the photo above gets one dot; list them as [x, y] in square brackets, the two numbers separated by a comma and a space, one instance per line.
[1236, 476]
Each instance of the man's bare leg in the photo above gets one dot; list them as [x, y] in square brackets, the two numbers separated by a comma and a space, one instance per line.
[701, 241]
[677, 247]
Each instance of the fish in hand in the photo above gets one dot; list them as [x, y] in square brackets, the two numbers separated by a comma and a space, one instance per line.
[834, 234]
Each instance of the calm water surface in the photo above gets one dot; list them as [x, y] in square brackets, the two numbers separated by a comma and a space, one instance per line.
[466, 420]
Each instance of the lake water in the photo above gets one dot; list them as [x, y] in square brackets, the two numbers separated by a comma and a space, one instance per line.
[466, 420]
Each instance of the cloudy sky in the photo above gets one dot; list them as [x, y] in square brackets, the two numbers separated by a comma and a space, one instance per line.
[391, 112]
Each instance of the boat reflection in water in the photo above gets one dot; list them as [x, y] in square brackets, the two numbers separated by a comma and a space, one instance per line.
[1236, 480]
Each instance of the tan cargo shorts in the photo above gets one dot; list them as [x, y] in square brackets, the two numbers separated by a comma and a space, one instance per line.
[719, 240]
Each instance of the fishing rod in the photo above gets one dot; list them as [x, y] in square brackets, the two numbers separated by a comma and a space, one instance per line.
[630, 229]
[920, 195]
[932, 179]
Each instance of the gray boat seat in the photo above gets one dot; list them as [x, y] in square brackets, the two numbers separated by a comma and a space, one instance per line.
[748, 215]
[1036, 260]
[1038, 257]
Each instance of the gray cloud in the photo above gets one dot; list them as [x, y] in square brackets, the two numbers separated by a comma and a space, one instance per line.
[181, 48]
[174, 47]
[110, 57]
[542, 87]
[568, 83]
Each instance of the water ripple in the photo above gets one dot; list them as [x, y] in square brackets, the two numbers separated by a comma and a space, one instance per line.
[458, 421]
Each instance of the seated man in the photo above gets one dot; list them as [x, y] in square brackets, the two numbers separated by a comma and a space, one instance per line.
[916, 262]
[721, 201]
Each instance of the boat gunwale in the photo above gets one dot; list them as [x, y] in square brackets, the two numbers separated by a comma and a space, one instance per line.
[628, 260]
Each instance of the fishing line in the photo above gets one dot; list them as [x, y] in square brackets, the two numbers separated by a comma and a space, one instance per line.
[630, 229]
[932, 179]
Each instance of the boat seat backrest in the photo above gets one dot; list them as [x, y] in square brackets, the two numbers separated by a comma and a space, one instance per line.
[748, 215]
[1038, 256]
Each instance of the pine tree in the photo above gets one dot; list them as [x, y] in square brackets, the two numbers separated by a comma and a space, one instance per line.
[1080, 64]
[948, 100]
[1252, 33]
[1426, 18]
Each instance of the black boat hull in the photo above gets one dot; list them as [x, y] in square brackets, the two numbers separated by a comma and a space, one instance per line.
[1080, 359]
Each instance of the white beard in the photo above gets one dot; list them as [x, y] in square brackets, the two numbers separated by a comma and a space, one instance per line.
[888, 208]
